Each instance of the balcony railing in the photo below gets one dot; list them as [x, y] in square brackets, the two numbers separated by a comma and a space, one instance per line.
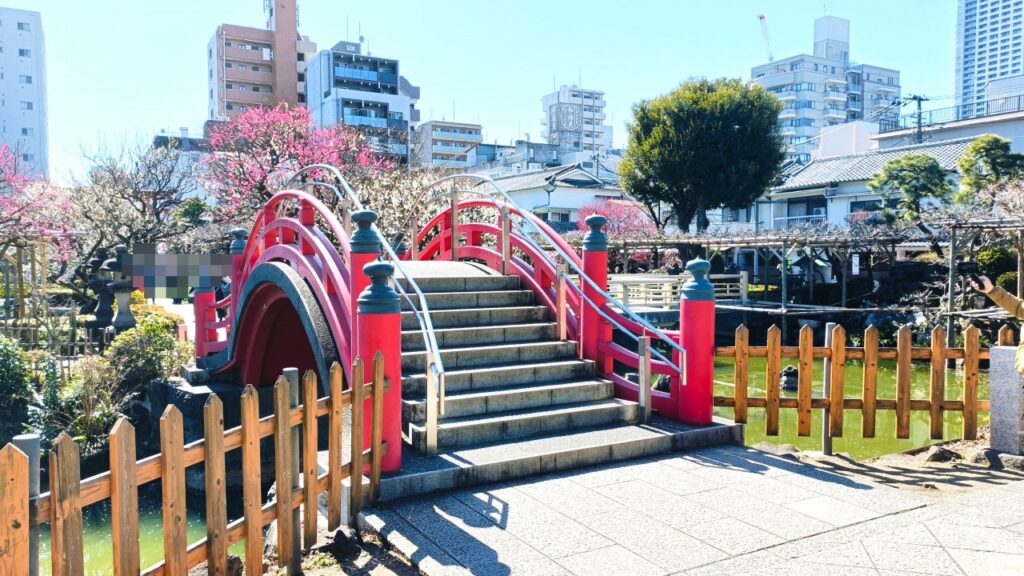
[355, 73]
[954, 113]
[441, 133]
[785, 223]
[371, 121]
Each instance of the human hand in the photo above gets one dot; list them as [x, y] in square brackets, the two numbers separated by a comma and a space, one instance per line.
[984, 286]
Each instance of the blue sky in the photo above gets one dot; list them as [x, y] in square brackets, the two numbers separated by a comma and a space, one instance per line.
[120, 70]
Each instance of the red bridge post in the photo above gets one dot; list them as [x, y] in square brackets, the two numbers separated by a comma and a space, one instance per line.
[697, 337]
[365, 246]
[594, 329]
[202, 309]
[380, 329]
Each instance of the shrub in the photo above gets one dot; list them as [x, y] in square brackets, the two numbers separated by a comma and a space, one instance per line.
[146, 352]
[995, 261]
[1008, 281]
[15, 391]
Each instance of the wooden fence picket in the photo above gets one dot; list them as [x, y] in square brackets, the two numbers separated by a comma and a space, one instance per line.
[972, 339]
[251, 486]
[283, 469]
[903, 373]
[14, 526]
[334, 440]
[124, 499]
[356, 464]
[310, 386]
[869, 386]
[376, 425]
[172, 483]
[771, 376]
[216, 490]
[937, 382]
[67, 556]
[741, 372]
[837, 382]
[804, 377]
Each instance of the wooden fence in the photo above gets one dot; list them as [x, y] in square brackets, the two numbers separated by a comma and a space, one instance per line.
[62, 506]
[836, 402]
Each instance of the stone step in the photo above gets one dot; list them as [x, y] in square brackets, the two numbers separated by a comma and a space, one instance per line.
[412, 340]
[463, 283]
[493, 355]
[479, 299]
[460, 467]
[506, 426]
[495, 377]
[521, 397]
[463, 317]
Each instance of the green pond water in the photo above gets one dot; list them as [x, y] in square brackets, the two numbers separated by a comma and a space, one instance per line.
[884, 442]
[98, 544]
[99, 549]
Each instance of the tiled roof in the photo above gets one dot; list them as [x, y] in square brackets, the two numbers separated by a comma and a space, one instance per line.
[864, 166]
[573, 176]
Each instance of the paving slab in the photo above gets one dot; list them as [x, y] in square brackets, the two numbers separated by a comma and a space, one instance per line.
[721, 510]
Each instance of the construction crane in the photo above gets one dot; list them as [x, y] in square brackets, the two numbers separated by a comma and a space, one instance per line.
[767, 39]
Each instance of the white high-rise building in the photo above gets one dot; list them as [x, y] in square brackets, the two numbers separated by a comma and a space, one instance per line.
[825, 89]
[23, 86]
[574, 119]
[988, 46]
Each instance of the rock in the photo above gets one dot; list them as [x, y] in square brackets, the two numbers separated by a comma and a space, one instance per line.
[235, 567]
[929, 486]
[940, 454]
[985, 457]
[1013, 462]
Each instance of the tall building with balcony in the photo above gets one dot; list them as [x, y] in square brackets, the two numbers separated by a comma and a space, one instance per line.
[23, 124]
[574, 120]
[442, 143]
[258, 66]
[988, 47]
[825, 89]
[367, 92]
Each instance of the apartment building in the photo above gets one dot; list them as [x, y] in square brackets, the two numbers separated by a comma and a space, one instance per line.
[367, 92]
[258, 66]
[442, 143]
[23, 124]
[988, 47]
[825, 89]
[574, 120]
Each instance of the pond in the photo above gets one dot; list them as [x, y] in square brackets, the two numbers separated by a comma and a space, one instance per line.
[885, 441]
[98, 544]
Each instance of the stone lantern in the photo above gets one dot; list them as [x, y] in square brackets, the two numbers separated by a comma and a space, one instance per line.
[99, 282]
[122, 288]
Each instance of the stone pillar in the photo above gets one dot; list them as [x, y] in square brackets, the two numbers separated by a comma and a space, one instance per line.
[594, 329]
[1006, 390]
[239, 239]
[697, 337]
[380, 329]
[365, 247]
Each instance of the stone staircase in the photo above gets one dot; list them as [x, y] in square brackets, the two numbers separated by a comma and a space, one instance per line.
[508, 377]
[518, 401]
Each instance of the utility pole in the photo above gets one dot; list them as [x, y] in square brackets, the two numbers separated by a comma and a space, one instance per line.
[919, 134]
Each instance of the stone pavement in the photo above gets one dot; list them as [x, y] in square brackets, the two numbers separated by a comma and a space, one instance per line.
[727, 510]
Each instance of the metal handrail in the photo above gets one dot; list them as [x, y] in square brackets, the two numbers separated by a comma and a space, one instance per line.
[617, 324]
[565, 257]
[435, 366]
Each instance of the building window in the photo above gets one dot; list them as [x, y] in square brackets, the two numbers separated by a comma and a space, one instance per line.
[28, 157]
[255, 68]
[25, 105]
[228, 64]
[229, 106]
[241, 66]
[24, 27]
[302, 57]
[24, 53]
[27, 132]
[25, 79]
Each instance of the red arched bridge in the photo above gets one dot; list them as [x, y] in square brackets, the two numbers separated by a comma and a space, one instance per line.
[506, 331]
